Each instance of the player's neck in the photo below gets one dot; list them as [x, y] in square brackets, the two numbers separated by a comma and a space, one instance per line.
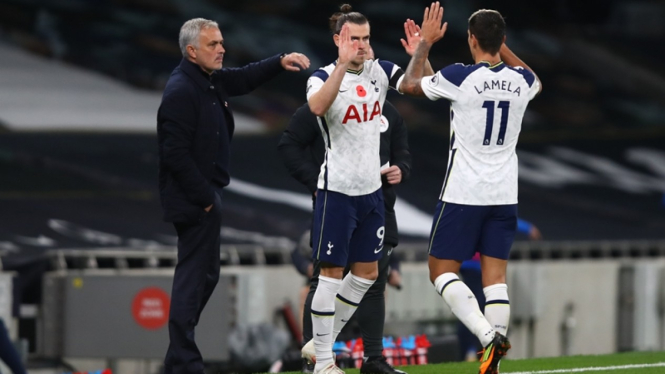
[488, 57]
[354, 66]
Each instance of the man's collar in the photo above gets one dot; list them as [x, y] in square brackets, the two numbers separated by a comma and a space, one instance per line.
[195, 72]
[496, 67]
[356, 72]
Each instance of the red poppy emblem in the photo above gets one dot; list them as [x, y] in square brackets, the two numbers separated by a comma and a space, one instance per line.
[361, 91]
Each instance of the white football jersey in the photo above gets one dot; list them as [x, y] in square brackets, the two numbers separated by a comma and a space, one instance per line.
[352, 126]
[486, 111]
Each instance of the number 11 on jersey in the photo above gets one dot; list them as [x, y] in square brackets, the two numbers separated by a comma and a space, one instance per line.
[504, 106]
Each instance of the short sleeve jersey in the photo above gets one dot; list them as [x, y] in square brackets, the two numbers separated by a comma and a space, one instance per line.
[351, 127]
[486, 111]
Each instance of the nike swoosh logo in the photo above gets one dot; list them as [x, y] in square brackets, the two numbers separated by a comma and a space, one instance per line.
[322, 334]
[342, 91]
[378, 250]
[345, 320]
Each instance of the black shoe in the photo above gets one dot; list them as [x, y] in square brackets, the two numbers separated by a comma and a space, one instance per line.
[378, 366]
[492, 354]
[307, 367]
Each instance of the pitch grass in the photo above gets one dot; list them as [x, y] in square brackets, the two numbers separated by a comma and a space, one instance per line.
[604, 364]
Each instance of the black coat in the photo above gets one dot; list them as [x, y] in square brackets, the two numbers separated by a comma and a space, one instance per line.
[302, 150]
[194, 129]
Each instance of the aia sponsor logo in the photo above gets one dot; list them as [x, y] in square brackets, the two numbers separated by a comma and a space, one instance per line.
[361, 114]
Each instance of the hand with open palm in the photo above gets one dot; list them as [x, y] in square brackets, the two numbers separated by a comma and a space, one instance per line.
[348, 50]
[431, 30]
[412, 33]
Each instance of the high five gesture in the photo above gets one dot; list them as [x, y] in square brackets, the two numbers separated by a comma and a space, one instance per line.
[412, 33]
[431, 31]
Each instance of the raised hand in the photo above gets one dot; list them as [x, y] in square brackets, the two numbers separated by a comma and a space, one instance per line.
[412, 32]
[348, 50]
[432, 30]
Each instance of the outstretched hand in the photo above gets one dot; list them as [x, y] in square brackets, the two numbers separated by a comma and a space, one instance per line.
[295, 62]
[432, 30]
[348, 50]
[412, 33]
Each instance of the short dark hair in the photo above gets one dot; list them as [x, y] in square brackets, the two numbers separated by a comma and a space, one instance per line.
[489, 27]
[337, 20]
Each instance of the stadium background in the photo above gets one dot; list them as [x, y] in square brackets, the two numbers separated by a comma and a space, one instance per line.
[81, 81]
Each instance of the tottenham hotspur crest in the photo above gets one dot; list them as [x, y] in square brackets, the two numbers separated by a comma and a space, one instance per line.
[376, 88]
[330, 247]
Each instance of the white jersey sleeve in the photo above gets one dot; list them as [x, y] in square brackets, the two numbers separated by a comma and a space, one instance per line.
[394, 73]
[444, 84]
[315, 82]
[531, 80]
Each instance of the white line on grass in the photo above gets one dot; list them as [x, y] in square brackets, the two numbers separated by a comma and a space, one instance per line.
[595, 368]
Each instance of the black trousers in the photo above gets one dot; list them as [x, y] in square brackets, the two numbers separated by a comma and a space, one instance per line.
[371, 313]
[196, 276]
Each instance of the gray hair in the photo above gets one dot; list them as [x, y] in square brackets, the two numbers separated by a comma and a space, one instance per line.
[189, 32]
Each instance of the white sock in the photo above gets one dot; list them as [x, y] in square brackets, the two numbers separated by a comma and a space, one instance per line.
[497, 307]
[348, 297]
[464, 305]
[323, 317]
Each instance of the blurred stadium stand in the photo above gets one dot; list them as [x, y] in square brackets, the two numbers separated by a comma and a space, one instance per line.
[603, 77]
[80, 82]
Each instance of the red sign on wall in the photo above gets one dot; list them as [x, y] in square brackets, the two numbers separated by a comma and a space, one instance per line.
[150, 308]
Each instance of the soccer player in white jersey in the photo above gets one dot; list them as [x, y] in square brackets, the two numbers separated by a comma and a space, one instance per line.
[477, 210]
[347, 96]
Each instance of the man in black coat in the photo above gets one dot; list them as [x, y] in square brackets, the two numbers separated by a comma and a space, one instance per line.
[194, 128]
[302, 149]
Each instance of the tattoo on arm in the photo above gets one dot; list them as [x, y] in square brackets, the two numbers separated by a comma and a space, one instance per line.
[414, 72]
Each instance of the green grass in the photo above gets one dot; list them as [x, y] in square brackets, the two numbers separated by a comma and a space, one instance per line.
[560, 364]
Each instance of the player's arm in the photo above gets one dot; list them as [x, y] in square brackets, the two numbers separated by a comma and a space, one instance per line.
[431, 32]
[414, 72]
[322, 100]
[412, 33]
[511, 59]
